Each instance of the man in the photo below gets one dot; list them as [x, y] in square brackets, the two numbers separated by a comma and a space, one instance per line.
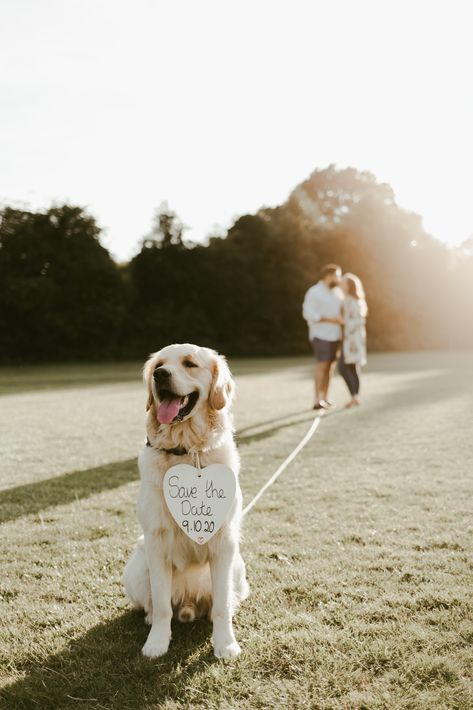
[322, 310]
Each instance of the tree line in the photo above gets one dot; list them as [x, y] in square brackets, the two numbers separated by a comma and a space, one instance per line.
[63, 297]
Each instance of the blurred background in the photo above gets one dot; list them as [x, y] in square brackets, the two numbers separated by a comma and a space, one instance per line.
[182, 171]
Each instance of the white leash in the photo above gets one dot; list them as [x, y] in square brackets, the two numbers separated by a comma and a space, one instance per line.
[284, 465]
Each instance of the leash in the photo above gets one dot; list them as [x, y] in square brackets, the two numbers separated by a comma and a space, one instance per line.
[285, 464]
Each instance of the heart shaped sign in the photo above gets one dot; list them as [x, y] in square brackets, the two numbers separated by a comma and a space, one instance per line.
[199, 500]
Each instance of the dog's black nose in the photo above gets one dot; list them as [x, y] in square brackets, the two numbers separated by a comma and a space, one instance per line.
[161, 374]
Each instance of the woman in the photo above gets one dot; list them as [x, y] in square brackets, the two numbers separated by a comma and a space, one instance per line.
[353, 352]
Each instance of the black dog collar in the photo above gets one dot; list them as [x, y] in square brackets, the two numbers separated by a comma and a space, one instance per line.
[177, 451]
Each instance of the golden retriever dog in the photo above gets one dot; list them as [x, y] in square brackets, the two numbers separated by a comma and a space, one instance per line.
[190, 391]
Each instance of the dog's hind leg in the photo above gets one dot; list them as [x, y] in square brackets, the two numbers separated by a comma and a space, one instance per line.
[136, 580]
[241, 588]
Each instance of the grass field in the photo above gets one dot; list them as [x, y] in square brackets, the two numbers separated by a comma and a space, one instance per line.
[359, 557]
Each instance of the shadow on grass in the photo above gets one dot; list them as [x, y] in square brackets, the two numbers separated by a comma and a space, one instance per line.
[105, 668]
[419, 361]
[258, 425]
[266, 433]
[433, 388]
[35, 497]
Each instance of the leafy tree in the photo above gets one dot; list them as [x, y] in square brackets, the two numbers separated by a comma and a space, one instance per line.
[166, 304]
[61, 294]
[166, 231]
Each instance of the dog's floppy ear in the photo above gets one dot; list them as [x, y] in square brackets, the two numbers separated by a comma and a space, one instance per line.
[223, 386]
[147, 373]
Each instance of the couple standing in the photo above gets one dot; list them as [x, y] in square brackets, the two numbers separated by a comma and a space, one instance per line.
[335, 310]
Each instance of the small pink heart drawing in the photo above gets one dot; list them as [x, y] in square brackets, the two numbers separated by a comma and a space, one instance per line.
[200, 540]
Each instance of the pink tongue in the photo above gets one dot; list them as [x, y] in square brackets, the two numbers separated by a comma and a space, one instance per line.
[168, 409]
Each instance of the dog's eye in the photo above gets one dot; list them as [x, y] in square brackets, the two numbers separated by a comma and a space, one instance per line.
[189, 363]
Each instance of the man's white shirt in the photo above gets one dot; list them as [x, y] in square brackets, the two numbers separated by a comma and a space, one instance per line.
[321, 301]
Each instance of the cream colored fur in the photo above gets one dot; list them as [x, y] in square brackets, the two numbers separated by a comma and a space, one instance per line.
[167, 572]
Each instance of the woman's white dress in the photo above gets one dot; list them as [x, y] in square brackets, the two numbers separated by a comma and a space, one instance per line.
[354, 331]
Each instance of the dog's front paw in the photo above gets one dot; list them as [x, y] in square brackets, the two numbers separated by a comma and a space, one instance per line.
[155, 647]
[230, 650]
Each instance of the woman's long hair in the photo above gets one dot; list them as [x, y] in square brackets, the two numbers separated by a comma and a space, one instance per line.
[355, 290]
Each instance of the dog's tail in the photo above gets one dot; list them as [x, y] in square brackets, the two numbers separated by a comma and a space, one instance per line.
[186, 613]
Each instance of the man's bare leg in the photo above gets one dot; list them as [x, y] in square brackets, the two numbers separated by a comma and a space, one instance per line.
[322, 377]
[327, 376]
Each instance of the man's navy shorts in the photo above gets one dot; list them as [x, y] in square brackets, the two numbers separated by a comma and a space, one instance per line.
[325, 350]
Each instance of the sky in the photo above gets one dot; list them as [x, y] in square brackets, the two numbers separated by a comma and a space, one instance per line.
[222, 106]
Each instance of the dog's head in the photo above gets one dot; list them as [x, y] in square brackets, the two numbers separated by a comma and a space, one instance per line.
[183, 380]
